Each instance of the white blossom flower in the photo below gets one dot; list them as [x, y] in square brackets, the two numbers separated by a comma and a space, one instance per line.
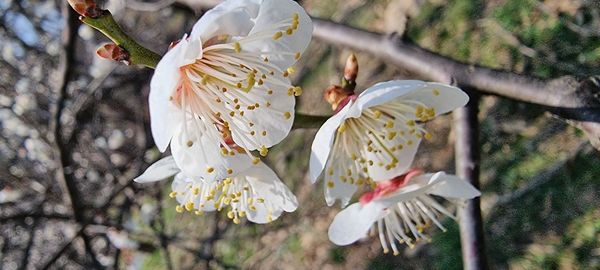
[229, 76]
[256, 192]
[402, 208]
[375, 135]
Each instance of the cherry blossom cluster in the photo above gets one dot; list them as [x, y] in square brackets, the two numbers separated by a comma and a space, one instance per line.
[221, 97]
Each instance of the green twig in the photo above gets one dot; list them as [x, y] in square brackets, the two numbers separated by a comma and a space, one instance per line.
[138, 55]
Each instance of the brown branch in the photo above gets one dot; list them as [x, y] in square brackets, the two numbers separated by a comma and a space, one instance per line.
[467, 167]
[569, 98]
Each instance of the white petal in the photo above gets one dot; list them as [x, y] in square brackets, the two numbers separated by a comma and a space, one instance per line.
[269, 118]
[341, 190]
[442, 97]
[159, 170]
[387, 91]
[353, 223]
[271, 13]
[321, 145]
[231, 17]
[278, 198]
[203, 158]
[451, 186]
[164, 115]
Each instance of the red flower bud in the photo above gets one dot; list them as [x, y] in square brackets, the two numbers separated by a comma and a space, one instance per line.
[113, 52]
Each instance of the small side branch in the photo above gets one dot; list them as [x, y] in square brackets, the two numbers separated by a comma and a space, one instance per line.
[467, 167]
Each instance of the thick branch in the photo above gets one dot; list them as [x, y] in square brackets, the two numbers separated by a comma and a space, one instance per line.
[567, 97]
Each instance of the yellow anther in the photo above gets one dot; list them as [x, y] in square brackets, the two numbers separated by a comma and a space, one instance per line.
[409, 142]
[291, 70]
[287, 115]
[231, 113]
[189, 206]
[428, 135]
[260, 200]
[436, 92]
[210, 169]
[410, 122]
[196, 191]
[263, 150]
[252, 208]
[391, 135]
[286, 73]
[198, 212]
[330, 184]
[297, 56]
[229, 171]
[256, 161]
[190, 143]
[270, 92]
[289, 31]
[230, 214]
[237, 47]
[242, 213]
[179, 209]
[236, 220]
[342, 128]
[277, 35]
[377, 114]
[252, 133]
[228, 181]
[431, 112]
[264, 133]
[173, 194]
[297, 91]
[389, 124]
[295, 17]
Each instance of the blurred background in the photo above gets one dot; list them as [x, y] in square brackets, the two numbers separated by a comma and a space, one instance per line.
[75, 132]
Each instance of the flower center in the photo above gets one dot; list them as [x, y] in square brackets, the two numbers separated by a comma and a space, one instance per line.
[228, 83]
[376, 139]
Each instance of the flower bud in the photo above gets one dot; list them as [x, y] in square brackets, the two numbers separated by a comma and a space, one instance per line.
[85, 8]
[336, 95]
[113, 52]
[351, 69]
